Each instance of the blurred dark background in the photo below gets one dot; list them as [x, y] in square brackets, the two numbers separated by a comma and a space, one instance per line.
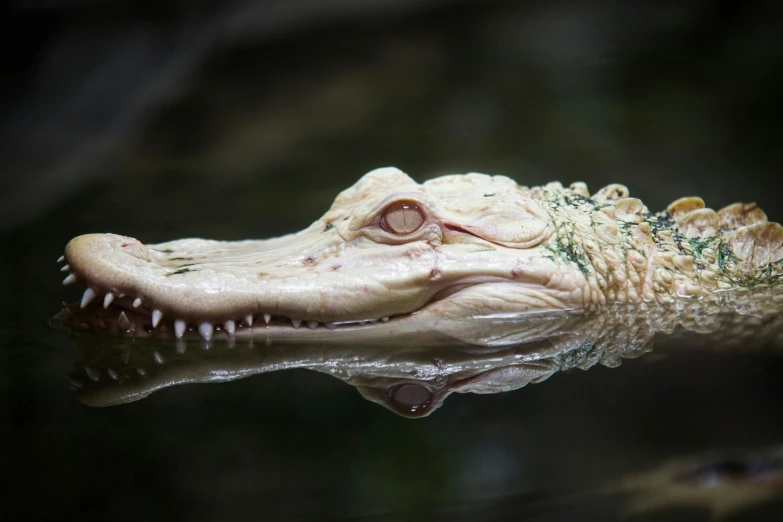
[242, 118]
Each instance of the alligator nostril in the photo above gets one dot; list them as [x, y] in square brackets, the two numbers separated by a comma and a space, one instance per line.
[135, 248]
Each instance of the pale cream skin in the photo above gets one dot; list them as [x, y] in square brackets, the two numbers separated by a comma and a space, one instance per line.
[471, 247]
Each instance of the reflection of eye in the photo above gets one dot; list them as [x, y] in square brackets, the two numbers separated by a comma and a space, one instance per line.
[402, 217]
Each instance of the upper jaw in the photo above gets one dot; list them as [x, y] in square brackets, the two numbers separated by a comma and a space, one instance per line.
[312, 278]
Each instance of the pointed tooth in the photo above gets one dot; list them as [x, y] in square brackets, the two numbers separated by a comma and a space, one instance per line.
[230, 327]
[296, 322]
[157, 315]
[141, 371]
[181, 347]
[330, 326]
[205, 329]
[372, 321]
[70, 279]
[312, 324]
[158, 357]
[137, 302]
[123, 321]
[179, 328]
[385, 318]
[66, 268]
[126, 356]
[249, 319]
[107, 299]
[114, 375]
[88, 296]
[61, 259]
[267, 318]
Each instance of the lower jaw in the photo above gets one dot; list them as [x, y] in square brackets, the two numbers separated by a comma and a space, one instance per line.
[122, 320]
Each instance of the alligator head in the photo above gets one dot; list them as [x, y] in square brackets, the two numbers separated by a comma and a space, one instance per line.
[396, 259]
[390, 255]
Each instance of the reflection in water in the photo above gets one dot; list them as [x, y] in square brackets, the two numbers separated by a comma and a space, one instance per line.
[413, 379]
[724, 483]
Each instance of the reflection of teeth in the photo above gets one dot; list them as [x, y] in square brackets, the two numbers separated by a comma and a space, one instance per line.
[137, 302]
[179, 328]
[312, 324]
[267, 318]
[156, 317]
[249, 319]
[92, 373]
[108, 298]
[296, 322]
[158, 357]
[88, 296]
[70, 279]
[205, 329]
[123, 321]
[230, 327]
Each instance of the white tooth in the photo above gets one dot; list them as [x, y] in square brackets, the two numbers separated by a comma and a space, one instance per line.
[267, 318]
[312, 324]
[330, 326]
[137, 302]
[179, 328]
[66, 268]
[158, 357]
[296, 322]
[157, 315]
[123, 322]
[88, 296]
[372, 321]
[108, 298]
[114, 375]
[70, 279]
[141, 371]
[384, 319]
[249, 319]
[230, 327]
[205, 329]
[61, 259]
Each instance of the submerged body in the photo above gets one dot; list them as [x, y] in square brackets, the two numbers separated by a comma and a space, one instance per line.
[454, 258]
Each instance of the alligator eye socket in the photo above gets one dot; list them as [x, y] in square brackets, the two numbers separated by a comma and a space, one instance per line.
[402, 217]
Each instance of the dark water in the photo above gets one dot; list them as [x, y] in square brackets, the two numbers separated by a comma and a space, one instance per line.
[670, 101]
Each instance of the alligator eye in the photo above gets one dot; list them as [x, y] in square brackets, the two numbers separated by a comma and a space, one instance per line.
[402, 217]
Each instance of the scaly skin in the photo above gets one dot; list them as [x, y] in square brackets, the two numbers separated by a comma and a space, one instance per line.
[486, 250]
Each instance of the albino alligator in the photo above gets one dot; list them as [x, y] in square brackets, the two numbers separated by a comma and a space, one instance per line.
[394, 259]
[725, 483]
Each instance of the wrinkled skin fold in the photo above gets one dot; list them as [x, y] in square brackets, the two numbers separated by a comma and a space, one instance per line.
[393, 259]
